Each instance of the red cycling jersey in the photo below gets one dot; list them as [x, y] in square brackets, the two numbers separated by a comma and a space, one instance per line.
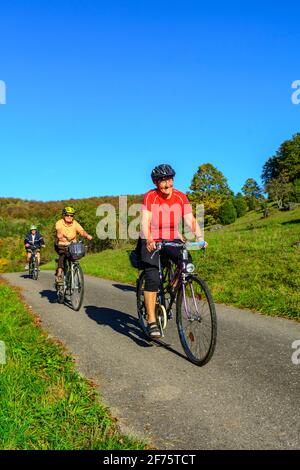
[167, 214]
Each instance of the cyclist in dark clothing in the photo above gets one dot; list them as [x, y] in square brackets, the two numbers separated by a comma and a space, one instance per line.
[33, 240]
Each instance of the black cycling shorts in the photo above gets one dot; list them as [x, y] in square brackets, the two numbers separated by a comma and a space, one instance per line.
[151, 264]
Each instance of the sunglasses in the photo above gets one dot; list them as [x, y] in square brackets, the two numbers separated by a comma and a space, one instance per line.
[69, 215]
[166, 178]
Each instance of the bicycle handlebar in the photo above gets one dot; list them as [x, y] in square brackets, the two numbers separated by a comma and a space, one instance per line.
[183, 245]
[160, 245]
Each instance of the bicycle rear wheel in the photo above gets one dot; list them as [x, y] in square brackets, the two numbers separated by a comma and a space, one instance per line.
[141, 309]
[77, 288]
[196, 320]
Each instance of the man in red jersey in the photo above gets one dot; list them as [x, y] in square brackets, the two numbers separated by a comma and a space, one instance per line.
[163, 210]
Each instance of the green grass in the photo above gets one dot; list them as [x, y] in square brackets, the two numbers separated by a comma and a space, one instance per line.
[249, 264]
[45, 403]
[252, 264]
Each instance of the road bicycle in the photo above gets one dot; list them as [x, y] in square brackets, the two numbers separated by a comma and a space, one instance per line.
[33, 266]
[180, 286]
[72, 288]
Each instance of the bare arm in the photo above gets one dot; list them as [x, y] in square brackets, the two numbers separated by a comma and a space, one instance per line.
[146, 230]
[193, 225]
[83, 233]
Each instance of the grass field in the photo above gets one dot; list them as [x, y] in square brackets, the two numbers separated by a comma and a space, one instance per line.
[249, 264]
[45, 403]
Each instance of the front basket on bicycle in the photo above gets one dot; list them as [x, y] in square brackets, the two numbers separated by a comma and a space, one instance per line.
[76, 251]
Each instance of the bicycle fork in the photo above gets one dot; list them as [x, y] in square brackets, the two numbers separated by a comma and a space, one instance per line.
[189, 316]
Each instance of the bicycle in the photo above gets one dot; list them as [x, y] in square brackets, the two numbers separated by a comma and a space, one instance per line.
[33, 268]
[195, 311]
[73, 285]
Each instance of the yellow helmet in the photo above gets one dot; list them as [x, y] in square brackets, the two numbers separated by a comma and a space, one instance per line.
[68, 211]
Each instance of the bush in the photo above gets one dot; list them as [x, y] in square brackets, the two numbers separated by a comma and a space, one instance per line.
[240, 205]
[227, 213]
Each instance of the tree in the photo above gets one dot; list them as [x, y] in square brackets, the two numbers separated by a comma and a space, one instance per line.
[279, 190]
[264, 208]
[270, 169]
[210, 180]
[240, 204]
[227, 212]
[285, 162]
[296, 187]
[252, 192]
[210, 188]
[252, 189]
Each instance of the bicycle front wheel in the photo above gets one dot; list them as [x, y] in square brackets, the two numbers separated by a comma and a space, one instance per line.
[196, 320]
[77, 288]
[30, 270]
[60, 291]
[35, 271]
[141, 309]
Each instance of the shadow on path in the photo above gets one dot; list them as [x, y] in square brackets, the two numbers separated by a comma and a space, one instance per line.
[50, 295]
[127, 325]
[124, 287]
[121, 322]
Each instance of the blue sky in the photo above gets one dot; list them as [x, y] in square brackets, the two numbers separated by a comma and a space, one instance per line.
[99, 92]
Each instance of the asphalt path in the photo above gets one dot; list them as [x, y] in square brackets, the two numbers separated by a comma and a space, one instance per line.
[246, 397]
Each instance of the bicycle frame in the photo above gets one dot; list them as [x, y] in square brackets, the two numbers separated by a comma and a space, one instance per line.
[69, 271]
[178, 279]
[33, 262]
[175, 279]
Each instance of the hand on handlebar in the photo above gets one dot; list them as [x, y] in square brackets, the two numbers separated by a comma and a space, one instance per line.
[151, 245]
[205, 244]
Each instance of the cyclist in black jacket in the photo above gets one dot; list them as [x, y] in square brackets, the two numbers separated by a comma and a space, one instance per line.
[33, 240]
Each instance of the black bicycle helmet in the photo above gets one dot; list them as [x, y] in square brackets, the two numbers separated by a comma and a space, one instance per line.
[162, 171]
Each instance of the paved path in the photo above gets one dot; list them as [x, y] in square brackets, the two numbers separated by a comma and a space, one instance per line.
[247, 397]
